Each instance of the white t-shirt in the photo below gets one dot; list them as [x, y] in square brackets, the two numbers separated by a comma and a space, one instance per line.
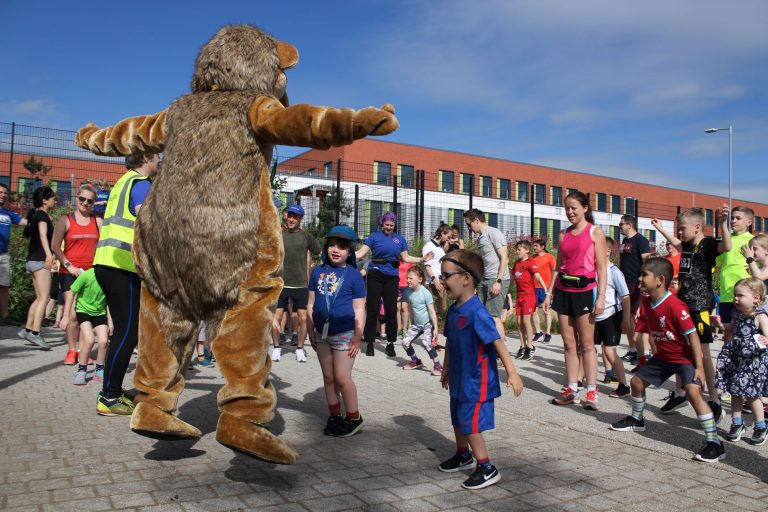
[434, 263]
[614, 292]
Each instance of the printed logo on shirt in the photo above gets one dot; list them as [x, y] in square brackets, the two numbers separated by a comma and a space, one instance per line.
[461, 322]
[684, 315]
[663, 321]
[686, 263]
[331, 283]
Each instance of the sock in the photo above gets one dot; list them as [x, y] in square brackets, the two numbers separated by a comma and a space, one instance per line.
[28, 330]
[35, 332]
[591, 387]
[574, 387]
[485, 463]
[710, 428]
[633, 351]
[437, 364]
[99, 367]
[737, 420]
[609, 373]
[414, 358]
[679, 394]
[82, 367]
[353, 415]
[463, 453]
[760, 424]
[638, 405]
[334, 410]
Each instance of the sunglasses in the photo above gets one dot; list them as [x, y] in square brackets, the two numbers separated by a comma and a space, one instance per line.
[85, 200]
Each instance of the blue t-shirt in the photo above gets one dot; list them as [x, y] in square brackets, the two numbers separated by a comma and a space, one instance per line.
[387, 248]
[335, 287]
[420, 301]
[7, 218]
[139, 192]
[472, 373]
[101, 196]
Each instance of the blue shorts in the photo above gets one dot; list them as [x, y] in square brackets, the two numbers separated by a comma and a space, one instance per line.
[541, 294]
[472, 417]
[655, 372]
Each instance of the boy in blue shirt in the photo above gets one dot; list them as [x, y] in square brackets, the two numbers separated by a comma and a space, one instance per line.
[470, 370]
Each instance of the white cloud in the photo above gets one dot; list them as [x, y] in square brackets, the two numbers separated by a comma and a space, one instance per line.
[27, 106]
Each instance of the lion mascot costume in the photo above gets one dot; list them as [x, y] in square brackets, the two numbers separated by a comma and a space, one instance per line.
[207, 241]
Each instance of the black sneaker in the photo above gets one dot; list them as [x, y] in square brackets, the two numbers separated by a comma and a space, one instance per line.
[758, 436]
[456, 463]
[717, 410]
[390, 349]
[673, 403]
[332, 427]
[547, 338]
[734, 435]
[626, 357]
[369, 351]
[527, 355]
[538, 336]
[482, 478]
[629, 424]
[620, 391]
[349, 427]
[520, 353]
[533, 350]
[607, 379]
[711, 452]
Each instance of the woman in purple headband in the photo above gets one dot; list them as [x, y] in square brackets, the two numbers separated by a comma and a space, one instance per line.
[387, 249]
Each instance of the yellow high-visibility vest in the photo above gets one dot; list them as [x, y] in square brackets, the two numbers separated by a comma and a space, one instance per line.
[116, 237]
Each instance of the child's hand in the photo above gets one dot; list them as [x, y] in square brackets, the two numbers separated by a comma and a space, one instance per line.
[699, 377]
[746, 250]
[110, 328]
[444, 377]
[722, 214]
[64, 322]
[515, 382]
[656, 223]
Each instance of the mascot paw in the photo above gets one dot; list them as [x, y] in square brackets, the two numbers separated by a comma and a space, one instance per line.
[83, 135]
[253, 439]
[147, 420]
[374, 121]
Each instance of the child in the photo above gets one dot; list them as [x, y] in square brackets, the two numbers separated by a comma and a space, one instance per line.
[669, 323]
[756, 254]
[525, 272]
[424, 321]
[742, 366]
[335, 318]
[92, 315]
[611, 322]
[204, 355]
[698, 254]
[546, 263]
[732, 264]
[403, 291]
[470, 372]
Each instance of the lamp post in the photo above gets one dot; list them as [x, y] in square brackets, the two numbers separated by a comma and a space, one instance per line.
[730, 161]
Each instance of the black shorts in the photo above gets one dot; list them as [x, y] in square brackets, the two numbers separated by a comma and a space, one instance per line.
[656, 372]
[726, 312]
[95, 320]
[635, 296]
[574, 303]
[54, 293]
[65, 281]
[297, 296]
[608, 331]
[703, 326]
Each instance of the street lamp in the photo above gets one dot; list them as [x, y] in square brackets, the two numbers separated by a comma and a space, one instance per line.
[730, 161]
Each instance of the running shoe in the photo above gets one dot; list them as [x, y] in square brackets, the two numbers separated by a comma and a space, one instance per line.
[567, 397]
[332, 426]
[520, 353]
[114, 407]
[629, 424]
[590, 402]
[725, 397]
[413, 365]
[349, 427]
[538, 336]
[734, 435]
[547, 339]
[482, 477]
[70, 358]
[673, 403]
[620, 391]
[81, 378]
[301, 355]
[527, 354]
[276, 354]
[711, 452]
[758, 436]
[390, 349]
[437, 371]
[38, 340]
[456, 463]
[98, 375]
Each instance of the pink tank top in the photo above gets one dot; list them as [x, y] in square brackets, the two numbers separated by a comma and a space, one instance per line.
[577, 258]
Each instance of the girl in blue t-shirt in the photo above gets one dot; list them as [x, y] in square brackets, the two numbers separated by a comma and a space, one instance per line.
[335, 318]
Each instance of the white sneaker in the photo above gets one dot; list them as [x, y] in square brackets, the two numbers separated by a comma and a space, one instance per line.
[276, 354]
[301, 356]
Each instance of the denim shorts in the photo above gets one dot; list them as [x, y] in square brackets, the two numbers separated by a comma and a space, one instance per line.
[339, 341]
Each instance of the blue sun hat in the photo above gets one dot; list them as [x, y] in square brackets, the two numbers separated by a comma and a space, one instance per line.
[344, 233]
[296, 209]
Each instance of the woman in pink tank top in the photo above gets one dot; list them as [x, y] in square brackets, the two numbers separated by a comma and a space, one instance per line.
[74, 244]
[577, 293]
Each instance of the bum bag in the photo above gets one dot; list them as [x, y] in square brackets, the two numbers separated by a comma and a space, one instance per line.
[575, 281]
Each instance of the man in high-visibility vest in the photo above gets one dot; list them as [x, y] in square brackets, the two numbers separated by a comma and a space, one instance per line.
[116, 274]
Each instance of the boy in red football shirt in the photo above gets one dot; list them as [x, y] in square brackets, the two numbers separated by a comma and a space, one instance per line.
[678, 352]
[525, 271]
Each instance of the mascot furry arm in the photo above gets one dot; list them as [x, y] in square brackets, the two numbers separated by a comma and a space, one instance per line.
[297, 125]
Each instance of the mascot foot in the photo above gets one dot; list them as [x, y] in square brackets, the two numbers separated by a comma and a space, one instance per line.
[253, 439]
[150, 421]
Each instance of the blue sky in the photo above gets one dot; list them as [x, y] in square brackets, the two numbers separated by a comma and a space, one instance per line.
[621, 89]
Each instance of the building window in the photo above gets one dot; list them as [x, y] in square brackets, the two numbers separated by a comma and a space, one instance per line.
[486, 186]
[616, 235]
[328, 169]
[572, 191]
[504, 188]
[555, 233]
[375, 210]
[758, 220]
[539, 193]
[652, 236]
[543, 225]
[629, 206]
[382, 173]
[556, 193]
[615, 204]
[601, 202]
[522, 191]
[406, 175]
[446, 179]
[708, 217]
[466, 183]
[63, 190]
[312, 172]
[493, 219]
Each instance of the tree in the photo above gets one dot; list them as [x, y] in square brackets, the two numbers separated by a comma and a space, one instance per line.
[36, 167]
[326, 217]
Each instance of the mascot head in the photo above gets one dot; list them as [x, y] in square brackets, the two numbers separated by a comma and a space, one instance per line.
[243, 58]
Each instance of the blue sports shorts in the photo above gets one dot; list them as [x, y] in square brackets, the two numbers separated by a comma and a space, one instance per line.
[472, 417]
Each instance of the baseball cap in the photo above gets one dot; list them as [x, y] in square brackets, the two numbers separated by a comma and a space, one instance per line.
[343, 232]
[296, 209]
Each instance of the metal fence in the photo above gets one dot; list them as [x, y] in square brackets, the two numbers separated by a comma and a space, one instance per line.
[356, 193]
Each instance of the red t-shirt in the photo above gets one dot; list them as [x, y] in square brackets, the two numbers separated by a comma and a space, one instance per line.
[523, 272]
[546, 263]
[669, 323]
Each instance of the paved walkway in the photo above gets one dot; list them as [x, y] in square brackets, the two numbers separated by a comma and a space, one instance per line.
[56, 454]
